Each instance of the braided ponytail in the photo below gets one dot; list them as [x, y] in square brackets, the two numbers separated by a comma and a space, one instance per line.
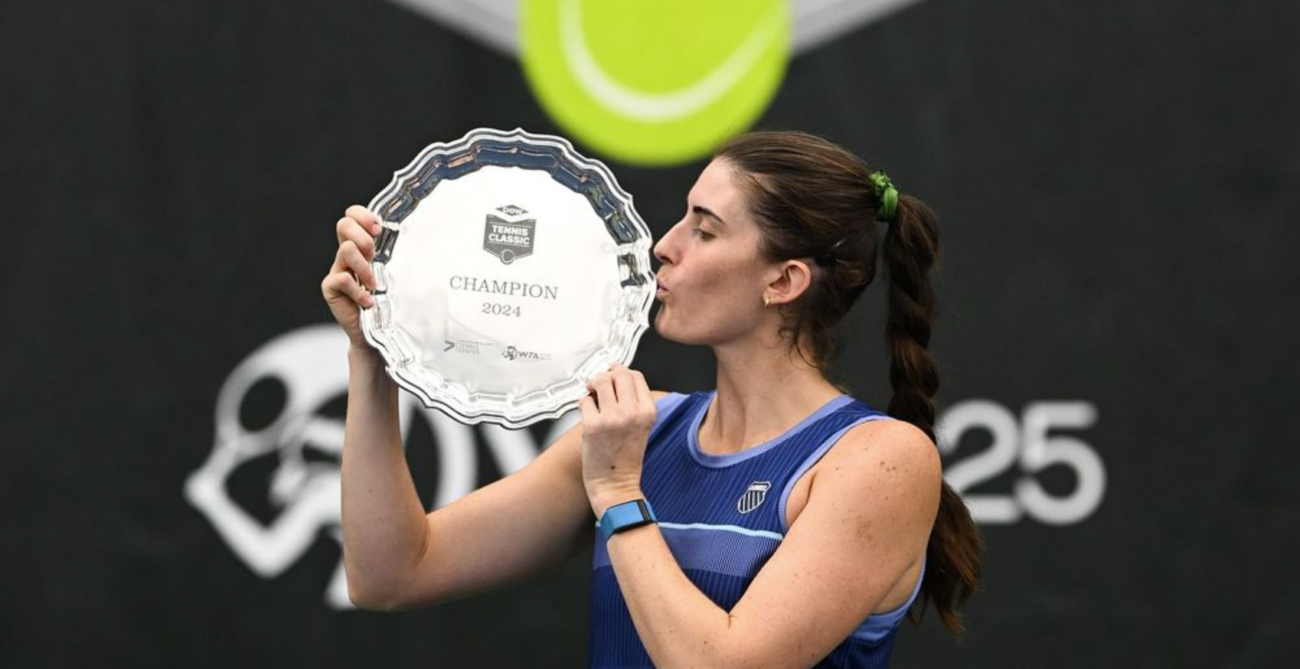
[953, 555]
[911, 249]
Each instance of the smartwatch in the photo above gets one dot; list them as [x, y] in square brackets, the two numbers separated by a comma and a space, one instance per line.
[626, 515]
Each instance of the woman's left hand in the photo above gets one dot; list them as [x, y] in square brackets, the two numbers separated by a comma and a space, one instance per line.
[616, 422]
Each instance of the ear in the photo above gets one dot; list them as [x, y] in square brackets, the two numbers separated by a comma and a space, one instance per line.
[789, 280]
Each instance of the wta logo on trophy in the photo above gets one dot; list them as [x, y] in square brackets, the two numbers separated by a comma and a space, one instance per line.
[508, 233]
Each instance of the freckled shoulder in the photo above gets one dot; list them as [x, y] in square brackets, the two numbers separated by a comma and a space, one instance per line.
[891, 445]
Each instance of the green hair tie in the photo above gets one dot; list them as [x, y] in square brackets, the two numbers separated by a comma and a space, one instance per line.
[888, 195]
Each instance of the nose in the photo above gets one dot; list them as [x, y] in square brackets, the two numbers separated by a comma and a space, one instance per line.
[664, 250]
[659, 250]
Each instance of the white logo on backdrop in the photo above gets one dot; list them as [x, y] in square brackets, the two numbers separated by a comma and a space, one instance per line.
[311, 365]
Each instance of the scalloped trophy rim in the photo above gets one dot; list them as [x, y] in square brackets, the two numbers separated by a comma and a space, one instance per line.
[622, 351]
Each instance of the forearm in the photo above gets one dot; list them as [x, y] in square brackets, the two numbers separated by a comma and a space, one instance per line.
[678, 624]
[384, 531]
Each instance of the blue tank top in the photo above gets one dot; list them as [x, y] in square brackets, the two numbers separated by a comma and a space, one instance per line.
[723, 516]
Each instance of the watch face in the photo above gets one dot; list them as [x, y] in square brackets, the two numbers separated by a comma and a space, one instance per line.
[511, 271]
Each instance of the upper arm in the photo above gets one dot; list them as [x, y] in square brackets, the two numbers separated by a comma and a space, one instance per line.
[868, 518]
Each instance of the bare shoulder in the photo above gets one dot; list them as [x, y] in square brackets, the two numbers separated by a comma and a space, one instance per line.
[659, 394]
[887, 438]
[887, 454]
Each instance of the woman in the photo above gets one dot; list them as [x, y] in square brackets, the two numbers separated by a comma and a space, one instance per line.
[796, 526]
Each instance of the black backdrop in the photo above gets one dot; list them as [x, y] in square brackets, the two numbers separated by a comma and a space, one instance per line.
[1116, 182]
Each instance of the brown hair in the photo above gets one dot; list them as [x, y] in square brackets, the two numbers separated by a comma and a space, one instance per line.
[813, 199]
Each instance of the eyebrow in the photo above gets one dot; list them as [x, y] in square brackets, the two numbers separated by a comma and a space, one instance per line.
[704, 211]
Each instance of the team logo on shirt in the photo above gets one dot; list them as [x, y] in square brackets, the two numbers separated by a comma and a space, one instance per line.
[754, 496]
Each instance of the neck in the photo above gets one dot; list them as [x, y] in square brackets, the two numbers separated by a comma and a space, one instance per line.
[764, 389]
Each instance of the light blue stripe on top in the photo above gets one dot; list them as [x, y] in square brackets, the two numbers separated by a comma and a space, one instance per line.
[721, 549]
[724, 528]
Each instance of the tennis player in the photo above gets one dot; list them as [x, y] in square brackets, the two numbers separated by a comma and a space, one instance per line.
[772, 522]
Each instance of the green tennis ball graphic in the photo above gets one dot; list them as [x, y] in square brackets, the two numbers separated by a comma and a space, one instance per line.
[654, 82]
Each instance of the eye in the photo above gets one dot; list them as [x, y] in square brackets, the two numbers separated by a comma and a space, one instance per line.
[700, 232]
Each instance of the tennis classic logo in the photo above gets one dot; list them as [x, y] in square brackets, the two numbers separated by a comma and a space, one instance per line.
[509, 235]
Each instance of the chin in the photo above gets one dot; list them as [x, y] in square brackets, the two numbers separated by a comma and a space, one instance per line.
[657, 324]
[664, 331]
[670, 331]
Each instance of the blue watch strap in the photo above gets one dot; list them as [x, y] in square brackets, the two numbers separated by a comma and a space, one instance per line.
[626, 515]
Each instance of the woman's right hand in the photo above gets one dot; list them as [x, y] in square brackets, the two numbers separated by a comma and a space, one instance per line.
[347, 286]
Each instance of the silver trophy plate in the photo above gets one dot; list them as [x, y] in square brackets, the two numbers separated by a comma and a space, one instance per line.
[511, 270]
